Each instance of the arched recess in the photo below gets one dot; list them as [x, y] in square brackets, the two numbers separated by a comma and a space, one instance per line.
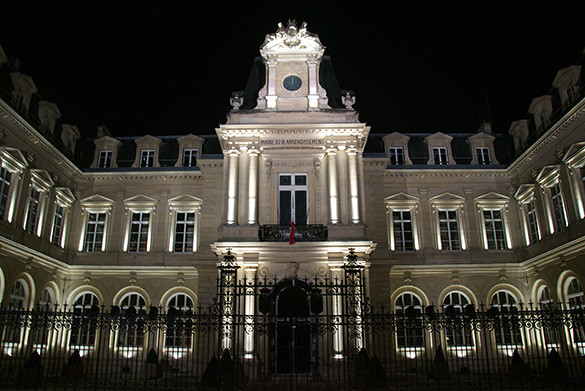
[537, 292]
[562, 283]
[2, 285]
[55, 293]
[75, 293]
[31, 294]
[131, 289]
[408, 288]
[506, 287]
[460, 288]
[164, 300]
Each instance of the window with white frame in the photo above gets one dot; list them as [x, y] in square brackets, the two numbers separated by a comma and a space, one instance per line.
[576, 301]
[292, 194]
[139, 232]
[403, 231]
[130, 331]
[494, 229]
[105, 159]
[440, 155]
[84, 321]
[179, 312]
[558, 206]
[139, 223]
[184, 232]
[506, 329]
[94, 232]
[459, 331]
[32, 211]
[147, 158]
[449, 230]
[57, 229]
[402, 215]
[5, 181]
[189, 157]
[494, 226]
[409, 330]
[483, 155]
[396, 156]
[532, 221]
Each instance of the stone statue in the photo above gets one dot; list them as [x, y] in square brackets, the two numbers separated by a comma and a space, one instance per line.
[348, 101]
[236, 101]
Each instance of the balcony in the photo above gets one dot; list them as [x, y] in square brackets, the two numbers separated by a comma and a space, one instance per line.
[303, 233]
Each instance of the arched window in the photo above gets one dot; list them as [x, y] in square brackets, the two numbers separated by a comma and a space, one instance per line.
[409, 331]
[19, 296]
[42, 327]
[179, 324]
[459, 329]
[133, 309]
[545, 304]
[576, 302]
[505, 309]
[85, 316]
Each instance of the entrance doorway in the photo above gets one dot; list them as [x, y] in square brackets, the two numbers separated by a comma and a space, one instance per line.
[293, 340]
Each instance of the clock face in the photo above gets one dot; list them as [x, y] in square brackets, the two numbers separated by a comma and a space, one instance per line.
[292, 82]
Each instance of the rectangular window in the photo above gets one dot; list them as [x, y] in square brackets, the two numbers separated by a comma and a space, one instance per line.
[483, 155]
[543, 120]
[94, 232]
[139, 232]
[105, 159]
[494, 229]
[449, 230]
[440, 155]
[147, 158]
[558, 207]
[396, 156]
[32, 211]
[292, 192]
[403, 232]
[189, 158]
[5, 180]
[184, 232]
[571, 95]
[532, 222]
[57, 225]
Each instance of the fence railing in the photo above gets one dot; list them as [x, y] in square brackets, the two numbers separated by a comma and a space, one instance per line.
[206, 349]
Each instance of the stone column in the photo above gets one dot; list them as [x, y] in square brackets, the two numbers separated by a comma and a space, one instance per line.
[337, 310]
[333, 194]
[232, 193]
[271, 90]
[313, 95]
[243, 179]
[249, 311]
[253, 186]
[354, 204]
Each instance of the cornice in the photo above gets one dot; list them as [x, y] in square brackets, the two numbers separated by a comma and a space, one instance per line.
[113, 176]
[425, 173]
[38, 140]
[547, 138]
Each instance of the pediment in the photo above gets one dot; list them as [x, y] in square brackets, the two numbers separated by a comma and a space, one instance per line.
[140, 199]
[401, 197]
[492, 196]
[96, 199]
[481, 136]
[446, 196]
[64, 196]
[41, 179]
[539, 103]
[524, 191]
[106, 140]
[185, 202]
[548, 174]
[438, 137]
[147, 140]
[567, 75]
[395, 138]
[190, 139]
[575, 155]
[13, 158]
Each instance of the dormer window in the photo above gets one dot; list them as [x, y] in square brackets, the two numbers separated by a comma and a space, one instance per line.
[189, 158]
[396, 155]
[440, 155]
[566, 82]
[543, 120]
[541, 108]
[147, 158]
[105, 159]
[483, 155]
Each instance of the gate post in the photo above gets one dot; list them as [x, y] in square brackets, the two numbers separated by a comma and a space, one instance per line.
[355, 296]
[226, 293]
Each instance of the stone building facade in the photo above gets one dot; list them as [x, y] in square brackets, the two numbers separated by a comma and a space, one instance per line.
[434, 218]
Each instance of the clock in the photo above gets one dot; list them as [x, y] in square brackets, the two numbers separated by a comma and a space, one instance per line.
[292, 82]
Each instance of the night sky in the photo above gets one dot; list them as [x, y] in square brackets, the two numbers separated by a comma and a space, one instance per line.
[160, 67]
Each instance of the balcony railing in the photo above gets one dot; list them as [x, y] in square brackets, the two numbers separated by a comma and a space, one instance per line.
[303, 233]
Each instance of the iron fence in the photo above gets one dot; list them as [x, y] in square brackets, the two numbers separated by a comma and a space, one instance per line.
[292, 334]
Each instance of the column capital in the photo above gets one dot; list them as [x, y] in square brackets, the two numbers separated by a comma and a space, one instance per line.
[253, 151]
[332, 150]
[233, 151]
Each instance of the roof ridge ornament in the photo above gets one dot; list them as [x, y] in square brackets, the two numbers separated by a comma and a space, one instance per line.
[292, 37]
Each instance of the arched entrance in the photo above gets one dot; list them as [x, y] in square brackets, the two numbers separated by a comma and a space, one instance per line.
[293, 342]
